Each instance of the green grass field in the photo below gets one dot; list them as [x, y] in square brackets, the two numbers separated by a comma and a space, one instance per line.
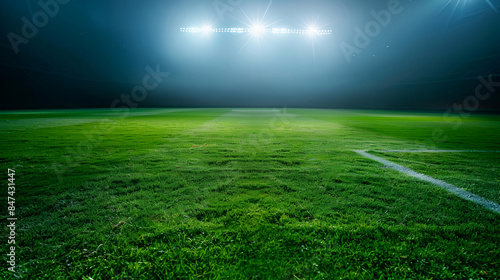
[248, 194]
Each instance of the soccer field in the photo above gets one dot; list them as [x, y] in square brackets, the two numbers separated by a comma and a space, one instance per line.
[250, 194]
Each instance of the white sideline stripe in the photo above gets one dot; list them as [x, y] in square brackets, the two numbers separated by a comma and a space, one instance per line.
[449, 187]
[435, 151]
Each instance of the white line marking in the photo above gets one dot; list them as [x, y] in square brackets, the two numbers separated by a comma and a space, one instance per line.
[449, 187]
[435, 151]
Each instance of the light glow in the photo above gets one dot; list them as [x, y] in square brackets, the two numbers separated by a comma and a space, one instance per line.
[207, 29]
[312, 31]
[257, 30]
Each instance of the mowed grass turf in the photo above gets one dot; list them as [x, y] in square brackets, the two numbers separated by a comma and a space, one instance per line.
[243, 194]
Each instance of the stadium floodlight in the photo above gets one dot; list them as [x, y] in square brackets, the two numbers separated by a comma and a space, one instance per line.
[206, 29]
[312, 30]
[256, 30]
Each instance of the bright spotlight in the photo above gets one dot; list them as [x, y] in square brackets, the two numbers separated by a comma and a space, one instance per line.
[206, 29]
[257, 30]
[312, 31]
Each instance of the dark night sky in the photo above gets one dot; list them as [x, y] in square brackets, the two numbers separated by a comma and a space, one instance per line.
[92, 52]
